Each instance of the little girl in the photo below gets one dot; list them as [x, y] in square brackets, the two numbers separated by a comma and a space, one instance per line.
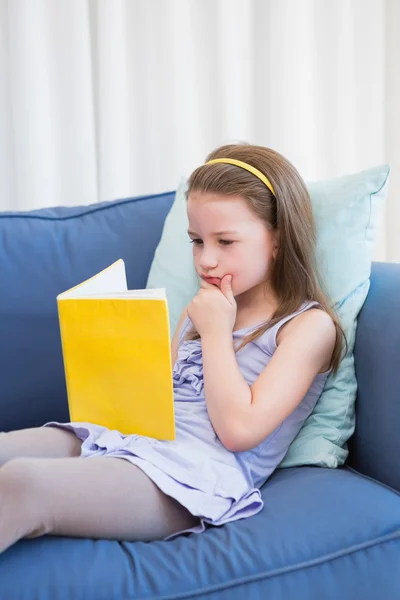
[251, 353]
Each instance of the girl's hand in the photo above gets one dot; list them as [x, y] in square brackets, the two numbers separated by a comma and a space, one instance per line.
[213, 309]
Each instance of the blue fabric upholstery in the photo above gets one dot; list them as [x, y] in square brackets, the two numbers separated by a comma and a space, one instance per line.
[375, 447]
[43, 253]
[320, 535]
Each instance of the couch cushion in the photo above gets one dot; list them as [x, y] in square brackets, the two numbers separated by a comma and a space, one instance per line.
[43, 253]
[375, 445]
[322, 534]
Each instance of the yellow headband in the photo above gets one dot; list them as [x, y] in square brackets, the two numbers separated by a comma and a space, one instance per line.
[243, 165]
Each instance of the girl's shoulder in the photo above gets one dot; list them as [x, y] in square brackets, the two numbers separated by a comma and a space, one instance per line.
[270, 339]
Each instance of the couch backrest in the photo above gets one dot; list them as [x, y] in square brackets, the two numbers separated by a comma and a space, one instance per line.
[375, 446]
[43, 253]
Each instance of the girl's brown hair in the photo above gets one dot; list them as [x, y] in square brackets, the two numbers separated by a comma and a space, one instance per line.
[294, 276]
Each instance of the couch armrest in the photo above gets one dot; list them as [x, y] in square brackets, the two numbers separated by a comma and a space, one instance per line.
[375, 445]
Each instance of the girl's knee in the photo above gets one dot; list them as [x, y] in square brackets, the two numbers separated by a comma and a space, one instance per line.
[23, 491]
[39, 442]
[20, 476]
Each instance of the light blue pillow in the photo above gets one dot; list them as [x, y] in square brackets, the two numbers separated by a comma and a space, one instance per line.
[346, 212]
[172, 266]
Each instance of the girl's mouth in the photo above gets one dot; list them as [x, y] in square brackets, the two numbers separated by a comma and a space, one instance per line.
[212, 280]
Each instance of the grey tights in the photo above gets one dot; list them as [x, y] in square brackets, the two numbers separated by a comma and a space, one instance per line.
[47, 488]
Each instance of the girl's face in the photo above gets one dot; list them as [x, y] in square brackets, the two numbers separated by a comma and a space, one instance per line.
[228, 238]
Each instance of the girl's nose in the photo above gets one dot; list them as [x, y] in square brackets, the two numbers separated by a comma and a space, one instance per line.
[208, 260]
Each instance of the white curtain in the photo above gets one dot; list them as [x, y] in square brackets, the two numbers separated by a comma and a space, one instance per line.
[103, 99]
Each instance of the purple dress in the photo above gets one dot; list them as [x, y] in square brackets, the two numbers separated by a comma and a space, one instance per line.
[196, 469]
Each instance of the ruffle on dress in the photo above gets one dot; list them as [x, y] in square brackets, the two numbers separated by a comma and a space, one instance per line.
[189, 366]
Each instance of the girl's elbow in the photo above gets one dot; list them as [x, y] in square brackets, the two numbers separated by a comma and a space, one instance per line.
[238, 440]
[230, 443]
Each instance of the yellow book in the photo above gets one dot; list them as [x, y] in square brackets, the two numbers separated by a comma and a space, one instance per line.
[117, 355]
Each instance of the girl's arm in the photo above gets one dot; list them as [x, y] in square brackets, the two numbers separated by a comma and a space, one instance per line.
[175, 339]
[243, 416]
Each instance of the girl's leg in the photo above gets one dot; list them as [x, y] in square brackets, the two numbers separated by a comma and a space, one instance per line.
[40, 442]
[99, 497]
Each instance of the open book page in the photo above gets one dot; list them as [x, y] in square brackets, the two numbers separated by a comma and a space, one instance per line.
[110, 283]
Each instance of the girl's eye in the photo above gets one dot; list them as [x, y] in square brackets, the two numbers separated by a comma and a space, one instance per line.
[198, 242]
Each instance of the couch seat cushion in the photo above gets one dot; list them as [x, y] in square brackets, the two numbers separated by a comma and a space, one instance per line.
[322, 534]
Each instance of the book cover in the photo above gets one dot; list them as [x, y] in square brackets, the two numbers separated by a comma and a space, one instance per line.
[117, 355]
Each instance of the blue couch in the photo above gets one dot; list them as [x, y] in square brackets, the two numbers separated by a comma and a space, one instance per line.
[323, 534]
